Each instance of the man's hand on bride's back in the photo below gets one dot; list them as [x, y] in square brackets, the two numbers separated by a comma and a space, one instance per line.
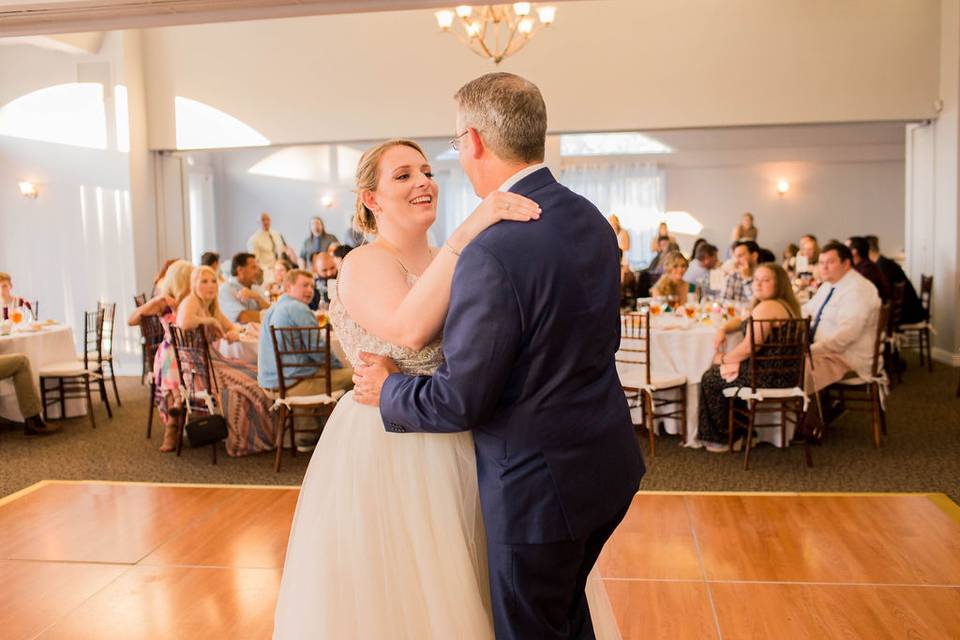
[497, 206]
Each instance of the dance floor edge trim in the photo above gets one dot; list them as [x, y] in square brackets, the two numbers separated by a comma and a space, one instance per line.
[941, 500]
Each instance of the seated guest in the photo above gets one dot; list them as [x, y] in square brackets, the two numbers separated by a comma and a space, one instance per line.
[860, 250]
[698, 272]
[280, 269]
[913, 310]
[291, 310]
[212, 259]
[251, 426]
[158, 279]
[844, 314]
[340, 253]
[7, 299]
[790, 259]
[765, 255]
[696, 245]
[17, 366]
[664, 246]
[746, 253]
[325, 268]
[628, 287]
[773, 299]
[332, 248]
[671, 284]
[810, 250]
[174, 288]
[662, 232]
[238, 299]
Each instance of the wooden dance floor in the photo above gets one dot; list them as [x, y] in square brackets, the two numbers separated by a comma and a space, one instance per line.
[124, 560]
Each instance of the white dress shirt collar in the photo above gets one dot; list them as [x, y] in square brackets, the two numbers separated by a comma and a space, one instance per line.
[520, 175]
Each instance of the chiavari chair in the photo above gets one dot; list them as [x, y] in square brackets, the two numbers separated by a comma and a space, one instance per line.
[63, 381]
[778, 348]
[198, 383]
[294, 348]
[151, 332]
[919, 332]
[643, 387]
[867, 394]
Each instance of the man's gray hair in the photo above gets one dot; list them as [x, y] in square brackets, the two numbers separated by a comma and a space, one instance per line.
[509, 113]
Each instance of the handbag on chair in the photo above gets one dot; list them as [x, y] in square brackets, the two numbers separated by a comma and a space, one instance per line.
[205, 430]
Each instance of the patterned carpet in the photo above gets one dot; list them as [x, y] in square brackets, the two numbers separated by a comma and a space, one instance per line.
[921, 452]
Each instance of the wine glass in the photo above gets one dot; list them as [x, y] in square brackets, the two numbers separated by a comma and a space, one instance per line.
[690, 310]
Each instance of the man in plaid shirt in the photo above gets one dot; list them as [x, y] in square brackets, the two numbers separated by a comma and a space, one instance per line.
[739, 284]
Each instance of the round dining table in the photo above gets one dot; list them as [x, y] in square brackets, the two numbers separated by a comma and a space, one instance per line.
[685, 347]
[49, 344]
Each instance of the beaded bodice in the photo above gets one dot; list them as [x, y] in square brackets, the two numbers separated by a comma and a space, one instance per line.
[354, 339]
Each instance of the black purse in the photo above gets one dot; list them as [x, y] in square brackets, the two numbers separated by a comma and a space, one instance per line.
[204, 430]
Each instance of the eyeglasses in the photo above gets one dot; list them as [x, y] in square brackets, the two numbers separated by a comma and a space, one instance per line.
[455, 141]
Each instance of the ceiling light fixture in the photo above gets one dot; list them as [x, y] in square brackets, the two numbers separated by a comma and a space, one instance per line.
[496, 31]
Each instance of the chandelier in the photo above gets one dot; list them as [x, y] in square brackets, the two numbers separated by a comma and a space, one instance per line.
[496, 31]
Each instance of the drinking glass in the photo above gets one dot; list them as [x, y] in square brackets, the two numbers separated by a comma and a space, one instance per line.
[655, 308]
[16, 316]
[689, 310]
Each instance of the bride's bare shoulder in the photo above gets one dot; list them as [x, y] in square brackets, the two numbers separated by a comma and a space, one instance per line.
[368, 270]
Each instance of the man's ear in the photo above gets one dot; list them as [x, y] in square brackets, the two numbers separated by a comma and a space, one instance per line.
[477, 146]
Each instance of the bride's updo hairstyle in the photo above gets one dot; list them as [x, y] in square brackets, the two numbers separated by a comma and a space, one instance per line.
[368, 176]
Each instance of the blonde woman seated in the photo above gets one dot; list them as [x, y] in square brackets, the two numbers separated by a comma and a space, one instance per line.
[252, 426]
[671, 284]
[773, 299]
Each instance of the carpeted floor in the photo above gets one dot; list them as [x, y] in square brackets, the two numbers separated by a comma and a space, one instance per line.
[921, 452]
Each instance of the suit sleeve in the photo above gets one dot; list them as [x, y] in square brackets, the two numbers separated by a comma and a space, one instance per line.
[481, 339]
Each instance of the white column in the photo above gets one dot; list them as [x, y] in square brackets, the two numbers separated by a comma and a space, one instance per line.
[932, 203]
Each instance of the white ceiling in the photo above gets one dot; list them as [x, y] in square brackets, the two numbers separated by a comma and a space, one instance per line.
[782, 137]
[39, 17]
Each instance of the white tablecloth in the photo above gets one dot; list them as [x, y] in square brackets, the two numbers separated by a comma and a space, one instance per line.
[688, 351]
[53, 343]
[244, 349]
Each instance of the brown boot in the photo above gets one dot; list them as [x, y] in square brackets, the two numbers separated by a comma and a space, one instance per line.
[35, 426]
[169, 439]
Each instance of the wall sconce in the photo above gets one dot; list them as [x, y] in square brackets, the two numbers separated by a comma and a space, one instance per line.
[782, 186]
[326, 202]
[28, 190]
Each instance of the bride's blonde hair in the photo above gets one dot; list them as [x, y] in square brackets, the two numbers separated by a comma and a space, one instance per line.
[368, 175]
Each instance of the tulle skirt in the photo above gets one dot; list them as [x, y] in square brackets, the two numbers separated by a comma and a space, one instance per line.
[388, 539]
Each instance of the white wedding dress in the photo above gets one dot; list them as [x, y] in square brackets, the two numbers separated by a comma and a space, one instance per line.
[388, 538]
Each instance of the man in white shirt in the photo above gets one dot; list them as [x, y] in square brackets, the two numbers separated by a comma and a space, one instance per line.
[843, 325]
[267, 245]
[698, 272]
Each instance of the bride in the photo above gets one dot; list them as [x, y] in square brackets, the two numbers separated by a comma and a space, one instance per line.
[388, 538]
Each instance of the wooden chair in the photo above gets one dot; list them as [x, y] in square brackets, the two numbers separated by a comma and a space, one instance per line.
[105, 355]
[919, 332]
[198, 384]
[891, 347]
[151, 337]
[73, 379]
[138, 301]
[643, 386]
[292, 348]
[867, 394]
[777, 347]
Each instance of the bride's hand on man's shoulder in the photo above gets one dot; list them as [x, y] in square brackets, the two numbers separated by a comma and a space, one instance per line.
[501, 205]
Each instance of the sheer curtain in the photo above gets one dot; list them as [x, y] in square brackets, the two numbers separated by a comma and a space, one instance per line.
[635, 192]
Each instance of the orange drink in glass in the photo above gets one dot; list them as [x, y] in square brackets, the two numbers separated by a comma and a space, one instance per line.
[689, 310]
[655, 308]
[16, 316]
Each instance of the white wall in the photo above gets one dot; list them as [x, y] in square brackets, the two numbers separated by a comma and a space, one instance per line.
[605, 65]
[831, 200]
[74, 244]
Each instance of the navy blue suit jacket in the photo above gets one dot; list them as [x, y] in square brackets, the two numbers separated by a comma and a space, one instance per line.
[529, 343]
